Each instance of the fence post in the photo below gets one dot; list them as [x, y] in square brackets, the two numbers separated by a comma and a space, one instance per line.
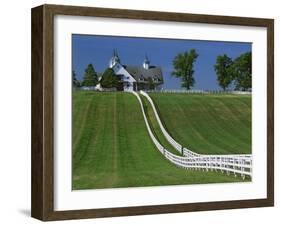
[242, 168]
[227, 166]
[221, 164]
[234, 166]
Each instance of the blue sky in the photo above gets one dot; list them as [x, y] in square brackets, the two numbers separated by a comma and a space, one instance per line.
[161, 52]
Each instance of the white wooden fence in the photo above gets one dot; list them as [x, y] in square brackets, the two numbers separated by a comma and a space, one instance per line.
[236, 164]
[169, 138]
[199, 91]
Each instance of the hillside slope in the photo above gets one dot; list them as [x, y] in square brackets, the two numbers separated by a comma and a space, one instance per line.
[112, 148]
[155, 128]
[207, 124]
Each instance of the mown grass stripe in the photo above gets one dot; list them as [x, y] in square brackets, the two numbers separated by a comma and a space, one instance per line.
[108, 156]
[207, 124]
[151, 118]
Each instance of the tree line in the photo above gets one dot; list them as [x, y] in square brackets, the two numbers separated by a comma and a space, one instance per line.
[229, 71]
[108, 79]
[237, 72]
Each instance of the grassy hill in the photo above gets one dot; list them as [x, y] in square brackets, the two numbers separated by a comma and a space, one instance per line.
[207, 124]
[155, 126]
[112, 148]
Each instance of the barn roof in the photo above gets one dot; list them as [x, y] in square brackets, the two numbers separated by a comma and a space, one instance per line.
[139, 73]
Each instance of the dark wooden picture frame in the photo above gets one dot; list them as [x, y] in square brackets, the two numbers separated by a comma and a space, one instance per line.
[42, 203]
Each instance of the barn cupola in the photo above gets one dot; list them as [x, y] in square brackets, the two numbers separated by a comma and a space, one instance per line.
[146, 63]
[114, 59]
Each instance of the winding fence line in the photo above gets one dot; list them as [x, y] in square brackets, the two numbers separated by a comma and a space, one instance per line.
[199, 91]
[236, 164]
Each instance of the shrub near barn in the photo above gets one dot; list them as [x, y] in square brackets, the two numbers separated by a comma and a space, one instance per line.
[109, 80]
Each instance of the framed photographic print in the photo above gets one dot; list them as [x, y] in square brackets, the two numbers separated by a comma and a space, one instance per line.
[141, 112]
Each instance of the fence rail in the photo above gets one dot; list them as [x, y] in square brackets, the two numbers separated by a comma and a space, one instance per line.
[236, 164]
[198, 91]
[169, 138]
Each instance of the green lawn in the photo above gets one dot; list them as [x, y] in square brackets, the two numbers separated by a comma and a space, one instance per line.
[112, 148]
[155, 126]
[207, 124]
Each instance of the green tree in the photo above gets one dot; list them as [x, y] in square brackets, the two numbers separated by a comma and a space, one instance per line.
[150, 83]
[109, 79]
[183, 67]
[90, 76]
[242, 71]
[223, 68]
[75, 82]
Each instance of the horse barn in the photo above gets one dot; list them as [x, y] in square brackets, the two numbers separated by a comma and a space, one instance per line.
[135, 78]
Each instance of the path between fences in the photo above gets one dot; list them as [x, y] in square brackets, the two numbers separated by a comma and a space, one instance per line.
[235, 164]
